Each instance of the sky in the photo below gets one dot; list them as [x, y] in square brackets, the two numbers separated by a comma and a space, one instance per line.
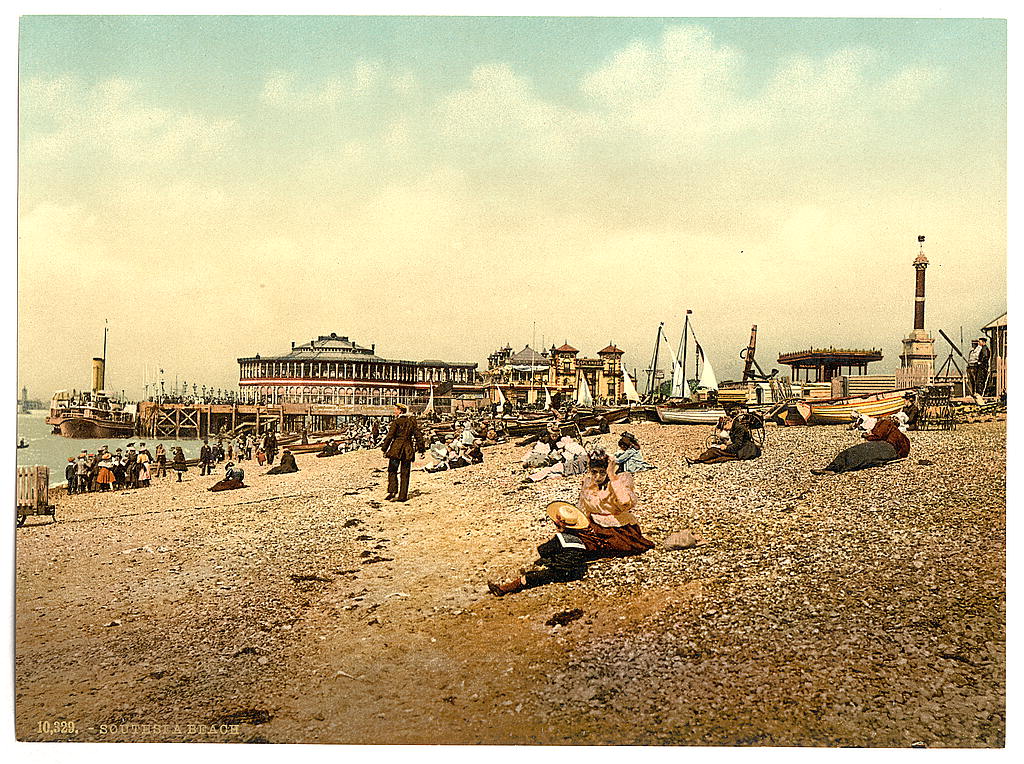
[219, 186]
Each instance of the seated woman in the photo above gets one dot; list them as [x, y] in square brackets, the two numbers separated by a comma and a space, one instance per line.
[912, 411]
[287, 464]
[233, 477]
[628, 458]
[438, 453]
[330, 449]
[741, 443]
[474, 452]
[883, 444]
[458, 455]
[602, 525]
[540, 455]
[862, 422]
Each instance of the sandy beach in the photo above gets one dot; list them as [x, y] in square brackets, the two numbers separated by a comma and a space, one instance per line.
[864, 609]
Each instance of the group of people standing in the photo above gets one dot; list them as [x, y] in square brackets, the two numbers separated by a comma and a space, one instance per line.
[129, 468]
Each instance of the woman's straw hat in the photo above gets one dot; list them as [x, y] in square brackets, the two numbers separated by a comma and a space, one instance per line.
[564, 513]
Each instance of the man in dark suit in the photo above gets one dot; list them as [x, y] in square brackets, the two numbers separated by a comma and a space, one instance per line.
[403, 441]
[984, 356]
[205, 458]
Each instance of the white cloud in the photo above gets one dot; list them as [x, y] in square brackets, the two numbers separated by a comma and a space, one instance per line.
[114, 118]
[500, 115]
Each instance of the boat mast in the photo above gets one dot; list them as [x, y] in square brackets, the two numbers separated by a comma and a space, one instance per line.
[698, 351]
[686, 329]
[654, 363]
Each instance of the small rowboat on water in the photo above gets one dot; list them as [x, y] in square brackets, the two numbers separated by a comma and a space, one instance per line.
[840, 410]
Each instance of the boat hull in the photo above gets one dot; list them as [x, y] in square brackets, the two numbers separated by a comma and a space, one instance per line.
[841, 411]
[85, 428]
[668, 415]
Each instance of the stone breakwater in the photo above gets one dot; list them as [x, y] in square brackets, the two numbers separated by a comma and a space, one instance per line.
[863, 609]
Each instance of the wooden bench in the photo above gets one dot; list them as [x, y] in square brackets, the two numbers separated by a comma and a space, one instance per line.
[33, 488]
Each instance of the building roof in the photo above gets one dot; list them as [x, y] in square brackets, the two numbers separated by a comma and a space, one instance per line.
[996, 322]
[610, 349]
[528, 356]
[829, 357]
[333, 343]
[566, 348]
[332, 347]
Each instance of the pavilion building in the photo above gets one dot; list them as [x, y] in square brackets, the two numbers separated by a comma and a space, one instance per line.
[822, 364]
[333, 369]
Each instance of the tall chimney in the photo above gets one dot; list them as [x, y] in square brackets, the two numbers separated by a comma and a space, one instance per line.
[920, 264]
[97, 374]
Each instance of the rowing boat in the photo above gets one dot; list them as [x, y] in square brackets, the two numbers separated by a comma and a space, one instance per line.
[840, 410]
[698, 415]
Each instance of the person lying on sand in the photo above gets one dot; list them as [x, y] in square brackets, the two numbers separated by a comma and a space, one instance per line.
[883, 444]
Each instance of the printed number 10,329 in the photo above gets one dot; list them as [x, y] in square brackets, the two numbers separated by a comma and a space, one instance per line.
[57, 727]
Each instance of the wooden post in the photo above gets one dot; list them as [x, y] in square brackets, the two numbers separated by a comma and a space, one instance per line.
[234, 411]
[177, 422]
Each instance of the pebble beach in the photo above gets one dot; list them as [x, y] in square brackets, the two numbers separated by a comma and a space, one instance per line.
[863, 609]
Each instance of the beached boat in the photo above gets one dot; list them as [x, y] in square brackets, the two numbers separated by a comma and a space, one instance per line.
[699, 414]
[840, 410]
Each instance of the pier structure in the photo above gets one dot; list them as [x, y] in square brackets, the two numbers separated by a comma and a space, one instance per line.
[203, 420]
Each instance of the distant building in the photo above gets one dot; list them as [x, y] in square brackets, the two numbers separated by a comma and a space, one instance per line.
[334, 369]
[996, 331]
[523, 376]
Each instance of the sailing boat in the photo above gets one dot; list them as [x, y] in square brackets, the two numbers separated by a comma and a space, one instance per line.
[692, 413]
[632, 396]
[583, 397]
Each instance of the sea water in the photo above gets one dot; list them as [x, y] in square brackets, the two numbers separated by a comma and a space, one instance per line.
[47, 449]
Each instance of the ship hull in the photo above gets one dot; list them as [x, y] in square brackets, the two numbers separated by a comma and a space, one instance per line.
[85, 427]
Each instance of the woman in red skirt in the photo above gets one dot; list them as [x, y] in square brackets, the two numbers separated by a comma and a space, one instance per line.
[601, 525]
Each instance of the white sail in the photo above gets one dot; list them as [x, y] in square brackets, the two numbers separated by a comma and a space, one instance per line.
[547, 398]
[583, 397]
[680, 387]
[430, 403]
[708, 380]
[630, 389]
[501, 397]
